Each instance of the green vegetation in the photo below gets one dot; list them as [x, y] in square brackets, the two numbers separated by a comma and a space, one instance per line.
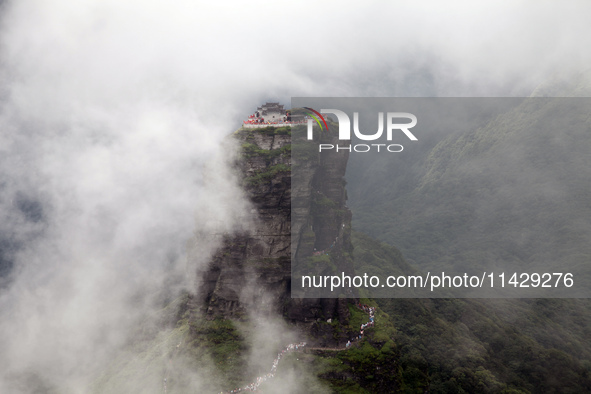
[319, 264]
[286, 130]
[224, 343]
[251, 150]
[368, 366]
[322, 203]
[377, 258]
[268, 174]
[509, 193]
[489, 346]
[275, 161]
[162, 349]
[303, 151]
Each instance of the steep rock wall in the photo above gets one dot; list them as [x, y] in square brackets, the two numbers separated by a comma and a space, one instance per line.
[251, 272]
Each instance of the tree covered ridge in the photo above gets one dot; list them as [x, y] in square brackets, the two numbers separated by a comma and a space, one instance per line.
[491, 346]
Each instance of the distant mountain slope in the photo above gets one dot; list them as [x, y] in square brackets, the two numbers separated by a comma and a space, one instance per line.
[512, 194]
[484, 346]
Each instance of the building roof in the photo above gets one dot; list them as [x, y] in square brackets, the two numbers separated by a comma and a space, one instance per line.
[271, 107]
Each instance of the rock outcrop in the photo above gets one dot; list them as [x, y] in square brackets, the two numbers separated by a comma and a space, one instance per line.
[251, 272]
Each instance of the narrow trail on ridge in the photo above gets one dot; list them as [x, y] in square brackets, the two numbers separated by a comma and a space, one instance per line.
[253, 386]
[169, 367]
[292, 347]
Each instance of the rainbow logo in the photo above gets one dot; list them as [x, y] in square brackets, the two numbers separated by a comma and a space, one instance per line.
[316, 118]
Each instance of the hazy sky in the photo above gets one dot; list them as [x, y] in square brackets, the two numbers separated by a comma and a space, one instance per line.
[112, 115]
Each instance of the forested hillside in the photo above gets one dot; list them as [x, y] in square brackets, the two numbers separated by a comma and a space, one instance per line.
[484, 346]
[511, 194]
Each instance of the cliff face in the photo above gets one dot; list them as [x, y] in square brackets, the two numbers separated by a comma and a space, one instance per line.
[251, 272]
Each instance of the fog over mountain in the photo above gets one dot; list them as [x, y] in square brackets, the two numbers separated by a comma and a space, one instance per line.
[113, 117]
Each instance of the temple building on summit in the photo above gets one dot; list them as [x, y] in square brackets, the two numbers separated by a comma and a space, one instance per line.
[271, 115]
[272, 112]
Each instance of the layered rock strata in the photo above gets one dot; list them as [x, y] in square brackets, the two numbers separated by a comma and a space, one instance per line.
[251, 273]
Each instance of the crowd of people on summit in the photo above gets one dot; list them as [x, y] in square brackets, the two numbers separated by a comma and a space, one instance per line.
[273, 114]
[286, 119]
